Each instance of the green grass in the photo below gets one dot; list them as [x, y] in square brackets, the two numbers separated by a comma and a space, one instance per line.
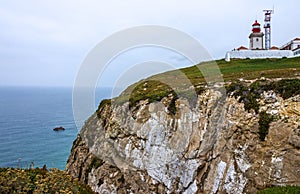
[253, 68]
[281, 190]
[242, 68]
[188, 81]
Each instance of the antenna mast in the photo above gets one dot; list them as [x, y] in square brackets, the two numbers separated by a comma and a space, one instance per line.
[267, 27]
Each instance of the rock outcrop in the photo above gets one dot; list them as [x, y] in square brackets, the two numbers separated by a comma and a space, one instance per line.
[212, 147]
[58, 129]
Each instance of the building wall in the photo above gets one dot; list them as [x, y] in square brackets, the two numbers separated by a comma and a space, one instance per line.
[291, 45]
[256, 43]
[258, 54]
[295, 44]
[297, 52]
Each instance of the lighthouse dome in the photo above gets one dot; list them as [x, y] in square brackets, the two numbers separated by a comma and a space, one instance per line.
[256, 27]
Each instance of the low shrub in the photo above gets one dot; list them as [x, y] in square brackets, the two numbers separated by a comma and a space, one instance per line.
[39, 181]
[247, 95]
[281, 190]
[264, 124]
[287, 87]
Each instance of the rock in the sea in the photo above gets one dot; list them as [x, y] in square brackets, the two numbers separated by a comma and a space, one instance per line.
[59, 129]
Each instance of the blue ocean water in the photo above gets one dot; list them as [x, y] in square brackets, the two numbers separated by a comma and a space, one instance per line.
[27, 118]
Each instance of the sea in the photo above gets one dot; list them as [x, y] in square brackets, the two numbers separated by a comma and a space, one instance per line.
[27, 118]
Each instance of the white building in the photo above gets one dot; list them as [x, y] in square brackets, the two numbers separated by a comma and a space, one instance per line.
[257, 51]
[292, 45]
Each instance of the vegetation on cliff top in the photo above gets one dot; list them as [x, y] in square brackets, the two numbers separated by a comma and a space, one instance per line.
[187, 81]
[235, 69]
[37, 180]
[151, 89]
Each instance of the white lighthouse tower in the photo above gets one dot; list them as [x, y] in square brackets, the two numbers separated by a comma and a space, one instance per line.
[256, 37]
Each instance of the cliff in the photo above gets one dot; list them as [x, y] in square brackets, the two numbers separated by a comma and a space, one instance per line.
[239, 142]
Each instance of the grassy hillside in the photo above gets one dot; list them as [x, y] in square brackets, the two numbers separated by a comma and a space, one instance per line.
[255, 68]
[156, 87]
[247, 69]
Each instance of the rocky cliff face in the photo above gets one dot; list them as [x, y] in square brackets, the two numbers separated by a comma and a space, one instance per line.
[212, 147]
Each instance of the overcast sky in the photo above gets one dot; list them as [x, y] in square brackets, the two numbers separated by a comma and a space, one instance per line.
[43, 43]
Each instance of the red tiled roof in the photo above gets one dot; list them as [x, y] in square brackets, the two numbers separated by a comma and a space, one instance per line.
[242, 48]
[274, 48]
[296, 39]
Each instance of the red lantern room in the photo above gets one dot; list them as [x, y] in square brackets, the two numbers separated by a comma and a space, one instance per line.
[256, 27]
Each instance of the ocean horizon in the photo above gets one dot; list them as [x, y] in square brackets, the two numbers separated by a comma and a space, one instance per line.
[27, 118]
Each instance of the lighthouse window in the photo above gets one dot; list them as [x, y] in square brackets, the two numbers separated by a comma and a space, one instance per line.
[256, 39]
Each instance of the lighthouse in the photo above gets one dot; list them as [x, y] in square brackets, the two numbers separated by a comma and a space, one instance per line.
[259, 50]
[256, 37]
